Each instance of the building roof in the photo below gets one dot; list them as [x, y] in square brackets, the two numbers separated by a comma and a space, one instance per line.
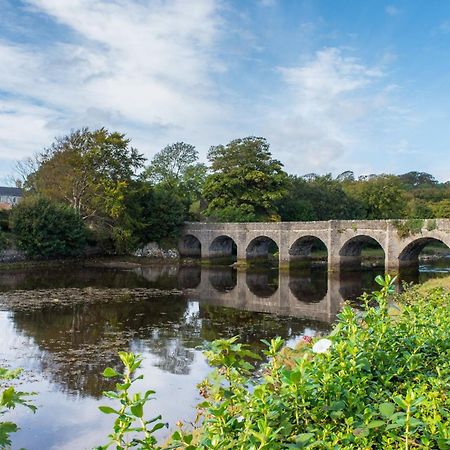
[10, 191]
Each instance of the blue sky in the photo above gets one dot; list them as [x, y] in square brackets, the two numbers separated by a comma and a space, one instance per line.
[333, 85]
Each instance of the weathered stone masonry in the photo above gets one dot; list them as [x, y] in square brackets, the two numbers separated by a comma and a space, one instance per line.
[343, 239]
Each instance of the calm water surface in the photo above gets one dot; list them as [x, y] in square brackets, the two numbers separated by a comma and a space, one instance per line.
[65, 326]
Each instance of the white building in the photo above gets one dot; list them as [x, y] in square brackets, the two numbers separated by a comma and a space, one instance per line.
[9, 196]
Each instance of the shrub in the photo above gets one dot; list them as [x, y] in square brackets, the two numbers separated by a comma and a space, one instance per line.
[45, 229]
[380, 380]
[9, 399]
[408, 227]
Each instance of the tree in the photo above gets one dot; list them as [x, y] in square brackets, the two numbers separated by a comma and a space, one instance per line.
[318, 198]
[348, 175]
[149, 214]
[89, 171]
[245, 183]
[442, 209]
[381, 197]
[414, 179]
[46, 229]
[175, 168]
[169, 166]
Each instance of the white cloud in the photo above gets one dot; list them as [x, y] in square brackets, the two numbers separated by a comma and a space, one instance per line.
[150, 64]
[319, 119]
[152, 69]
[392, 10]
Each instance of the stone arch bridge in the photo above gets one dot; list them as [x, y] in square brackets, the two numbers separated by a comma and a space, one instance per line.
[343, 239]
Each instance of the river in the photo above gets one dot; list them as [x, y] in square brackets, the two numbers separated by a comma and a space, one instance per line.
[64, 326]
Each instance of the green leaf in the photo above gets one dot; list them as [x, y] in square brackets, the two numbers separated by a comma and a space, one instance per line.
[400, 402]
[376, 424]
[137, 410]
[393, 426]
[387, 409]
[302, 439]
[107, 410]
[157, 427]
[109, 372]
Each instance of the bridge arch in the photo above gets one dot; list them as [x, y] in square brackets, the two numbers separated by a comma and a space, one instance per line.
[301, 250]
[222, 246]
[351, 251]
[261, 247]
[409, 255]
[189, 245]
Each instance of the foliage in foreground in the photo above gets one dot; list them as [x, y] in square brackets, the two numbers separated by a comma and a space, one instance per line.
[381, 380]
[130, 428]
[9, 399]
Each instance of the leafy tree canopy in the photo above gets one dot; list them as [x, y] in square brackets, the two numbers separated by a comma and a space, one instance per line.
[245, 182]
[150, 214]
[381, 197]
[318, 198]
[87, 170]
[415, 179]
[176, 168]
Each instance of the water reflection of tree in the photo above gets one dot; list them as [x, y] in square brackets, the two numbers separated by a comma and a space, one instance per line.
[79, 342]
[63, 277]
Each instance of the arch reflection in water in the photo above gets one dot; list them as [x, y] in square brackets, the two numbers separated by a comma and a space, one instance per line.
[352, 284]
[262, 283]
[223, 279]
[309, 285]
[273, 292]
[361, 249]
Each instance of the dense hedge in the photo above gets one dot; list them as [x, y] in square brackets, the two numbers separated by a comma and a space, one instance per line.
[45, 229]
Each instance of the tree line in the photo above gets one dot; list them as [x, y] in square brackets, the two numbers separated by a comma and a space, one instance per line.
[92, 187]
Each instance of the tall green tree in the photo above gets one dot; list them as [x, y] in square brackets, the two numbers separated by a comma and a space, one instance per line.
[176, 168]
[150, 214]
[381, 197]
[245, 183]
[89, 171]
[318, 198]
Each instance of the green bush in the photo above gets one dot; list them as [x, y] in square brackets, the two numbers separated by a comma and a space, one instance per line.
[380, 380]
[45, 229]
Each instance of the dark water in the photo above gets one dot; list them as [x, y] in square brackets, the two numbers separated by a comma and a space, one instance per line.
[65, 326]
